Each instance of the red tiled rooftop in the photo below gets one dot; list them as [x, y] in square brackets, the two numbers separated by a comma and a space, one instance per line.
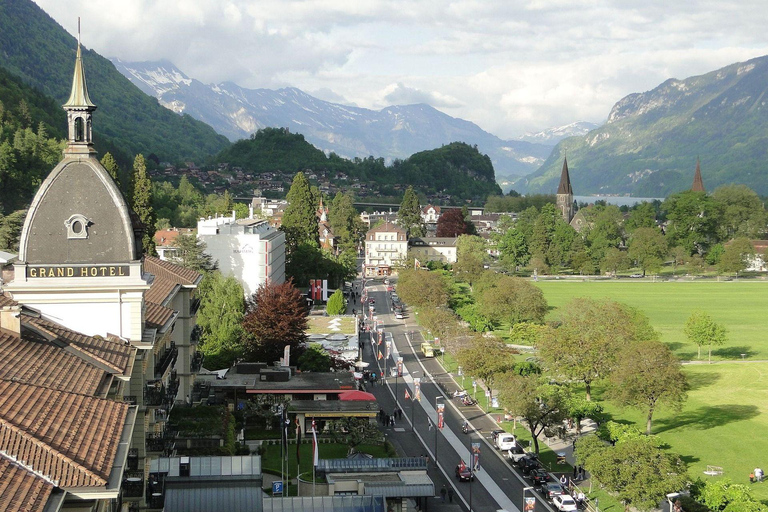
[168, 277]
[20, 489]
[156, 316]
[70, 439]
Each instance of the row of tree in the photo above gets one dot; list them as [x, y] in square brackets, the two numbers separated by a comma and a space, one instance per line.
[687, 228]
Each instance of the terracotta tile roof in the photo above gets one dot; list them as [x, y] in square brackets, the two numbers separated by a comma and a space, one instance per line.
[117, 356]
[20, 489]
[70, 439]
[157, 316]
[168, 277]
[6, 301]
[33, 360]
[167, 237]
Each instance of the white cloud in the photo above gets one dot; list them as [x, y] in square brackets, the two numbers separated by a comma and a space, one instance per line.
[510, 67]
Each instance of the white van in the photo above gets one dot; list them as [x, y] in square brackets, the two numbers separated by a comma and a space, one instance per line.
[505, 441]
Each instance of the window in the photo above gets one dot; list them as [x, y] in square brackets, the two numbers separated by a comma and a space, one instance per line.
[77, 227]
[79, 130]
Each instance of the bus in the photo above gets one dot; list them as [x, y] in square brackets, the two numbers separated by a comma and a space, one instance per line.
[427, 349]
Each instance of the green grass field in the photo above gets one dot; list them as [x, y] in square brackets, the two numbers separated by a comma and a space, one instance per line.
[741, 306]
[724, 421]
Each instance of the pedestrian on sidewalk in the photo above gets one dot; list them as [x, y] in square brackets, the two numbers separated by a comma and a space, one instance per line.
[443, 492]
[582, 473]
[450, 495]
[575, 471]
[564, 480]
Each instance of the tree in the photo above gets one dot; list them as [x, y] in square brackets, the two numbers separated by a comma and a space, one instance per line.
[471, 255]
[336, 305]
[679, 256]
[276, 316]
[736, 256]
[315, 359]
[693, 220]
[637, 471]
[726, 496]
[743, 212]
[604, 230]
[513, 249]
[300, 216]
[486, 359]
[142, 204]
[614, 261]
[451, 223]
[642, 215]
[542, 406]
[513, 300]
[583, 348]
[345, 221]
[355, 431]
[10, 230]
[648, 247]
[420, 288]
[701, 330]
[648, 375]
[220, 316]
[110, 164]
[409, 214]
[190, 253]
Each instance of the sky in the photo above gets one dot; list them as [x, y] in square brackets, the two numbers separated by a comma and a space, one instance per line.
[510, 66]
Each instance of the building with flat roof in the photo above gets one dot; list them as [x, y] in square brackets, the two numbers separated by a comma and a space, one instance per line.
[250, 250]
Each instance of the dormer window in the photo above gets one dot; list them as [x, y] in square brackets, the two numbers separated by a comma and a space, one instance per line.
[77, 227]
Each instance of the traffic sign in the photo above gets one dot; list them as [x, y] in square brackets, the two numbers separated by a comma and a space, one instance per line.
[277, 487]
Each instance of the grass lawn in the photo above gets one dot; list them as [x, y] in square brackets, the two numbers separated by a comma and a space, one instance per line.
[723, 423]
[739, 305]
[322, 325]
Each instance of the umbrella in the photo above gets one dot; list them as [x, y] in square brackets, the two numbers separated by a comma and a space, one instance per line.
[356, 395]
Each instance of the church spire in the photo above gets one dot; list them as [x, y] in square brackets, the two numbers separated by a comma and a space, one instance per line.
[565, 180]
[698, 183]
[79, 110]
[565, 193]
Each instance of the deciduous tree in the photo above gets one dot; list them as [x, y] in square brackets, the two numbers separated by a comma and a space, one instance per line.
[276, 316]
[701, 330]
[422, 289]
[471, 256]
[647, 376]
[583, 348]
[736, 256]
[315, 359]
[512, 300]
[648, 247]
[543, 407]
[190, 253]
[451, 223]
[486, 358]
[220, 316]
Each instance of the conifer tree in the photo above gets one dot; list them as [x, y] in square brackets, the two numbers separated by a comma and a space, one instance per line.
[409, 214]
[142, 204]
[110, 164]
[300, 217]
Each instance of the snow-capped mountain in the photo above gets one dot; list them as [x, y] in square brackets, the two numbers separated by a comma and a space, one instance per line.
[394, 132]
[552, 136]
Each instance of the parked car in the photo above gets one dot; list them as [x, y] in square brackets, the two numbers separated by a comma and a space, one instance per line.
[495, 434]
[516, 452]
[399, 315]
[463, 473]
[539, 477]
[564, 503]
[552, 489]
[527, 463]
[505, 441]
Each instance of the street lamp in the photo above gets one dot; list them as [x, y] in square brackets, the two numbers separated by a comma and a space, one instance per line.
[529, 503]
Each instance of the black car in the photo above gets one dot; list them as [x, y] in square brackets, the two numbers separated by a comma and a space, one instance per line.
[527, 464]
[463, 473]
[552, 489]
[539, 477]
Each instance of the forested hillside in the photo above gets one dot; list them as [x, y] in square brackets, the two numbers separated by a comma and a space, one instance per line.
[40, 52]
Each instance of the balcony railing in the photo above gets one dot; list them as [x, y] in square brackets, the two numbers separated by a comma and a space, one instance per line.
[194, 305]
[132, 463]
[154, 394]
[165, 360]
[133, 484]
[158, 442]
[131, 399]
[197, 361]
[196, 335]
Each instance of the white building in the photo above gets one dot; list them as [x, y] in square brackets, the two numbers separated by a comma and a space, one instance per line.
[251, 250]
[385, 245]
[432, 248]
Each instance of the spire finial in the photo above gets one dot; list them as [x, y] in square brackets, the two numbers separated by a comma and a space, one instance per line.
[79, 109]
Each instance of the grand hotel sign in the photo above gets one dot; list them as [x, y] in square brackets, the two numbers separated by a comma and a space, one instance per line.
[57, 271]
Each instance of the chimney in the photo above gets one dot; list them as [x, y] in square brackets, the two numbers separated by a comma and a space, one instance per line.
[10, 319]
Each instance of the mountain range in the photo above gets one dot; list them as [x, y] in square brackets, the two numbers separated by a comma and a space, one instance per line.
[394, 132]
[36, 49]
[651, 141]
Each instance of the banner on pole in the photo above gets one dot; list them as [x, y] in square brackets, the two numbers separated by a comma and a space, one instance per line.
[389, 348]
[440, 416]
[399, 366]
[475, 456]
[417, 389]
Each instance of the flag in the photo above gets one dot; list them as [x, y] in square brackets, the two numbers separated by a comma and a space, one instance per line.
[380, 356]
[314, 444]
[298, 440]
[407, 394]
[462, 466]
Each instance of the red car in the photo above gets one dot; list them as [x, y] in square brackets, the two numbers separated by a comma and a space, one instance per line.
[463, 473]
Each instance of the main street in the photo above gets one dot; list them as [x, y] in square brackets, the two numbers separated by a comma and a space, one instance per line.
[497, 485]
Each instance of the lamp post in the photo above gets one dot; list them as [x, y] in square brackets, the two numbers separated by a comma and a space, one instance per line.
[528, 506]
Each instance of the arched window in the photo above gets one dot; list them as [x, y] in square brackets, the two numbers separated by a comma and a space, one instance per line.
[79, 130]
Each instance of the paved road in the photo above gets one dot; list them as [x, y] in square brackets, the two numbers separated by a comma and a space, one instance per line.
[497, 485]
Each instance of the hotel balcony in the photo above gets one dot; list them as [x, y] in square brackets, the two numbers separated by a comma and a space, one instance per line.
[166, 359]
[196, 335]
[133, 484]
[197, 361]
[154, 394]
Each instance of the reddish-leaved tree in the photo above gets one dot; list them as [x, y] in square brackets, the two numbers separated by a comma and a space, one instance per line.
[451, 223]
[276, 316]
